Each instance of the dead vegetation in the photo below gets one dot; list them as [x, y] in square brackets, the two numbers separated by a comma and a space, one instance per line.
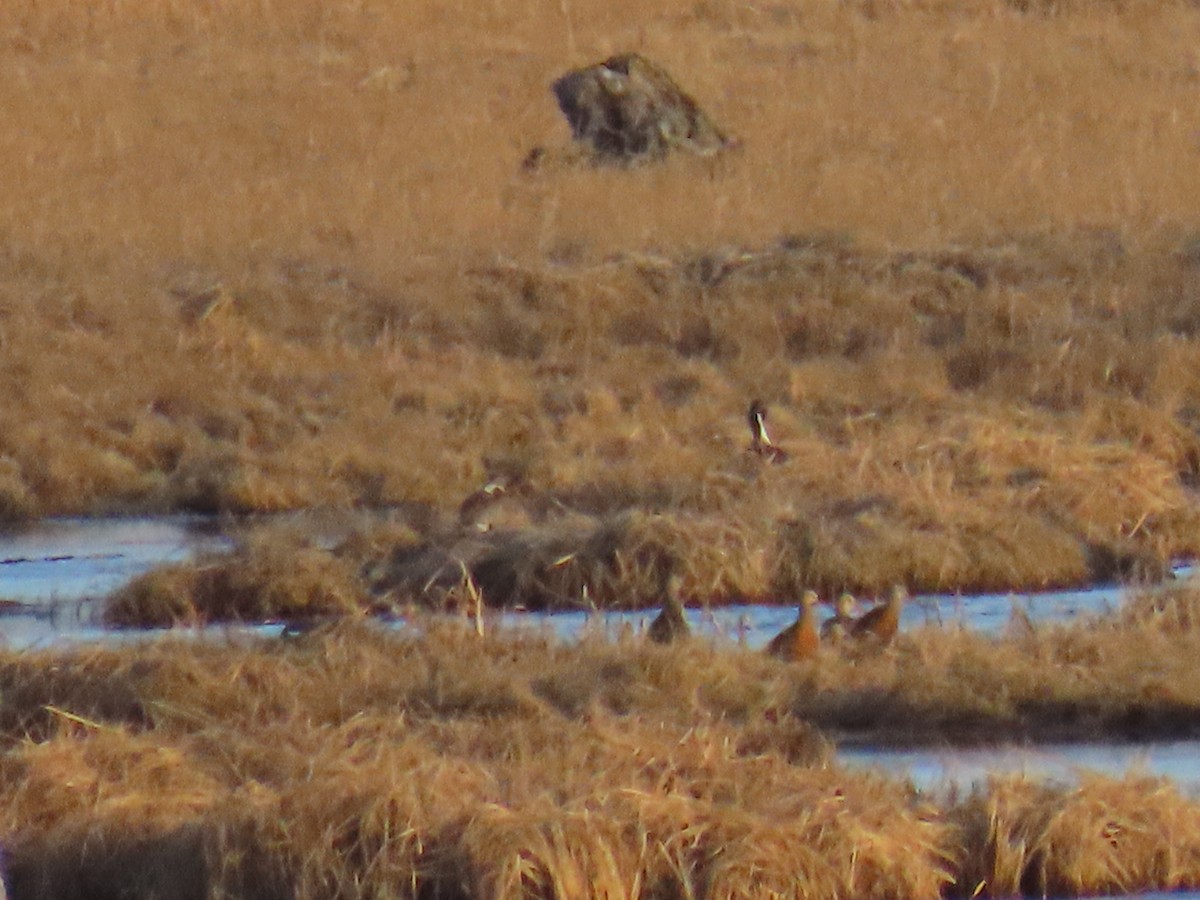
[283, 265]
[288, 259]
[1008, 450]
[361, 761]
[622, 561]
[1037, 841]
[1132, 676]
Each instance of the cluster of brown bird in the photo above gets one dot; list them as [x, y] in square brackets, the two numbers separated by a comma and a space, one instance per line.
[877, 626]
[799, 641]
[802, 639]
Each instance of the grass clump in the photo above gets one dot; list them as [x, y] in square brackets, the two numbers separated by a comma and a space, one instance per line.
[1107, 836]
[980, 385]
[571, 562]
[541, 766]
[359, 761]
[270, 577]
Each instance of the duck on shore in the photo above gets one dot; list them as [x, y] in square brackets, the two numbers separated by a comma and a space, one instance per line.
[800, 640]
[881, 622]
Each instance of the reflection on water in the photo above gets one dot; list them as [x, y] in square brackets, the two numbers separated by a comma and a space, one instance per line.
[962, 768]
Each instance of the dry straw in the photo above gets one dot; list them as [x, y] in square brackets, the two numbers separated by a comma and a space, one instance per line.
[302, 267]
[288, 260]
[357, 761]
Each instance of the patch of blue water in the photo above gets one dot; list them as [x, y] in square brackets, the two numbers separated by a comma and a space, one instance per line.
[73, 559]
[52, 575]
[938, 769]
[57, 571]
[753, 625]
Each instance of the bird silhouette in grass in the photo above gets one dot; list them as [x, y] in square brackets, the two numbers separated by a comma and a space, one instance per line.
[837, 627]
[670, 625]
[760, 441]
[497, 502]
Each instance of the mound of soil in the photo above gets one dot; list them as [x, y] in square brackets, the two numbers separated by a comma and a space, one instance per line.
[628, 110]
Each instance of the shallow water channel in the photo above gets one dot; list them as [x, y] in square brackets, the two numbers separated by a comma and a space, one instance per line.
[54, 575]
[934, 770]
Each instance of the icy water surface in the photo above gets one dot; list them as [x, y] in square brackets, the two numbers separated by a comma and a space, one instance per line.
[961, 769]
[54, 575]
[754, 624]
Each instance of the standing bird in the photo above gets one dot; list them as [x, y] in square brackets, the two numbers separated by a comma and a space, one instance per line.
[883, 621]
[760, 441]
[837, 627]
[670, 625]
[799, 640]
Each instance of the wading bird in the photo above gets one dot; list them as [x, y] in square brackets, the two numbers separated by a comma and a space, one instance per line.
[836, 628]
[670, 625]
[883, 621]
[799, 640]
[760, 441]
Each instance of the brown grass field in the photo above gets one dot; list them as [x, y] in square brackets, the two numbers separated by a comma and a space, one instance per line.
[272, 255]
[359, 762]
[281, 254]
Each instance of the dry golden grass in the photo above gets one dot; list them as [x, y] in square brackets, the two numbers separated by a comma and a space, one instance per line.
[359, 762]
[260, 256]
[1108, 836]
[267, 256]
[271, 576]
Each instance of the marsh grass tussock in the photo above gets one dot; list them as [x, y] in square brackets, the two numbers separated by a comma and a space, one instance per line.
[273, 285]
[270, 576]
[357, 761]
[289, 259]
[1105, 836]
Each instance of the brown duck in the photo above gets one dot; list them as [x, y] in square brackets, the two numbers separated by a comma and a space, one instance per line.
[799, 640]
[837, 627]
[883, 621]
[670, 625]
[760, 441]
